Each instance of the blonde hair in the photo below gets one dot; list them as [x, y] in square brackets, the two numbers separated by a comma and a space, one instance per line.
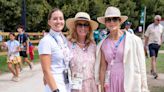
[73, 36]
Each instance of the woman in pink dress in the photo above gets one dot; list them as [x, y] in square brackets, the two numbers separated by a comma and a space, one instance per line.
[120, 56]
[83, 48]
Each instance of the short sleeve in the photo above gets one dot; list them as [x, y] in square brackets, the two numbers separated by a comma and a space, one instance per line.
[44, 47]
[17, 43]
[147, 31]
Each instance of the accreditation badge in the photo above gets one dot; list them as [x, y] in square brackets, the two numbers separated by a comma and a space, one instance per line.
[77, 82]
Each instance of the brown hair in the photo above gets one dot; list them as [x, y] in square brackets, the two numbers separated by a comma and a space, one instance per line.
[20, 26]
[73, 36]
[12, 33]
[53, 10]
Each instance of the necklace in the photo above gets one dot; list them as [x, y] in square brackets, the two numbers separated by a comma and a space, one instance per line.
[82, 45]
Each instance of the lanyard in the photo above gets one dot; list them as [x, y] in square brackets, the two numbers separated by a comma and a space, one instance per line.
[20, 38]
[61, 47]
[119, 41]
[65, 42]
[116, 46]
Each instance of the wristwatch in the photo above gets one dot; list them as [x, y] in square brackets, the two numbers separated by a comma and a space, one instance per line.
[56, 90]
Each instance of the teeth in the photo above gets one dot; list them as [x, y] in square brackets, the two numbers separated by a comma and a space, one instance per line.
[82, 31]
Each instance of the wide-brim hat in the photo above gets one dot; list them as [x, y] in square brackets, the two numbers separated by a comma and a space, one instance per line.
[112, 12]
[70, 23]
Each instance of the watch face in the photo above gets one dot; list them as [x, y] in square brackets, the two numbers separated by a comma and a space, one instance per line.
[57, 90]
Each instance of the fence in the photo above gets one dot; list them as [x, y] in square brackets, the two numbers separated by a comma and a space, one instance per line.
[34, 38]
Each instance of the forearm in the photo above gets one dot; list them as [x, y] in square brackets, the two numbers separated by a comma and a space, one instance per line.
[46, 67]
[146, 41]
[102, 76]
[50, 80]
[27, 46]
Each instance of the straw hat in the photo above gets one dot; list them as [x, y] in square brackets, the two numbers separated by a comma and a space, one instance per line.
[70, 23]
[112, 12]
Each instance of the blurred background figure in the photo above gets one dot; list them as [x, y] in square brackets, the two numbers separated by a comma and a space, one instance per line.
[153, 40]
[31, 51]
[128, 27]
[96, 34]
[13, 57]
[44, 33]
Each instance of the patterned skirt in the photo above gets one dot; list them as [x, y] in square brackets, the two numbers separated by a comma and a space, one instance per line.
[14, 59]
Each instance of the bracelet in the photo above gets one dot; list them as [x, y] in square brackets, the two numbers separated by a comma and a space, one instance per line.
[57, 90]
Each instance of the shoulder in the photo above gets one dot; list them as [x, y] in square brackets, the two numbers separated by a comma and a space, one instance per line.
[134, 39]
[93, 44]
[161, 26]
[151, 25]
[16, 41]
[46, 40]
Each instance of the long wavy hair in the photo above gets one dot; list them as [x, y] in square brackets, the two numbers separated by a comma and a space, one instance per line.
[73, 36]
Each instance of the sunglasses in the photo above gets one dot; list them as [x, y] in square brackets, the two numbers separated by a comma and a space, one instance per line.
[158, 19]
[82, 24]
[114, 19]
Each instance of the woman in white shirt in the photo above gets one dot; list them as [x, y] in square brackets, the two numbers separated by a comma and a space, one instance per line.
[55, 55]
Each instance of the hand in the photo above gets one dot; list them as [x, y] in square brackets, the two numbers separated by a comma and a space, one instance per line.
[145, 50]
[27, 52]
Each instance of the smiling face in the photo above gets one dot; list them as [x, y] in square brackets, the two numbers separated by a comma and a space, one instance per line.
[56, 21]
[12, 37]
[112, 23]
[82, 28]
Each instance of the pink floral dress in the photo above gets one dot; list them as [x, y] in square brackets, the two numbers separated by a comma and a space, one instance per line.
[83, 63]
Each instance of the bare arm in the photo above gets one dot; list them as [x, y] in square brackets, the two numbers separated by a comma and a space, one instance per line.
[48, 77]
[146, 41]
[103, 67]
[27, 46]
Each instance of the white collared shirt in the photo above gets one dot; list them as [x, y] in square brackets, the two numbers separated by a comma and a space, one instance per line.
[49, 45]
[154, 33]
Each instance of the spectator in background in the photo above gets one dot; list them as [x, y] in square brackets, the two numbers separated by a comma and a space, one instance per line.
[1, 38]
[24, 44]
[103, 33]
[96, 34]
[153, 39]
[13, 57]
[44, 33]
[31, 51]
[128, 27]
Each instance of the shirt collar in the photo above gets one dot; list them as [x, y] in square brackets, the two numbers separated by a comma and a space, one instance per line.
[54, 33]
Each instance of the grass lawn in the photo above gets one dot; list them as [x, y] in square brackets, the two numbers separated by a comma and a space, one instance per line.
[3, 64]
[162, 47]
[160, 63]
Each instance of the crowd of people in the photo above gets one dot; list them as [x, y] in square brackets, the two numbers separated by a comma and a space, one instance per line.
[89, 60]
[18, 48]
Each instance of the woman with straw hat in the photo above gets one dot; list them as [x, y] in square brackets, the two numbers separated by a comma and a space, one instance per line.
[120, 65]
[83, 48]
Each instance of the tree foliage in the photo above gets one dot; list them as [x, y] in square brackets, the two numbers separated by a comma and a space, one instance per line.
[37, 11]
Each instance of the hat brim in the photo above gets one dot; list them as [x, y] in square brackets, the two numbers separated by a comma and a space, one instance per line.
[70, 23]
[102, 19]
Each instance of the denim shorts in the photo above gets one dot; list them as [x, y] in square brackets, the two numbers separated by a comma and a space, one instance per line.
[153, 49]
